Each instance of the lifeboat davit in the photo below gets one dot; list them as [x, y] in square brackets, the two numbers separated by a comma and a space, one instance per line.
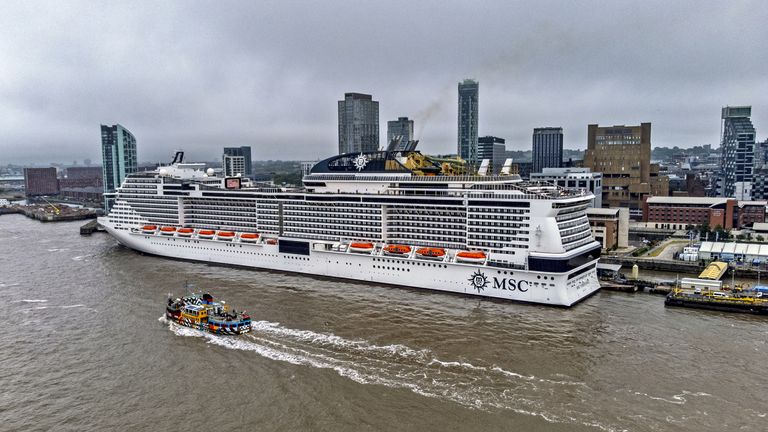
[249, 237]
[225, 235]
[271, 241]
[433, 253]
[149, 229]
[206, 234]
[470, 256]
[397, 250]
[185, 232]
[167, 230]
[361, 247]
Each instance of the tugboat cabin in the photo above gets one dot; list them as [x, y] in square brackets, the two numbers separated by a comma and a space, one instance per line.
[195, 313]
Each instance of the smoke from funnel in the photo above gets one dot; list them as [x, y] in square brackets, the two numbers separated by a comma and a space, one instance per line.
[435, 107]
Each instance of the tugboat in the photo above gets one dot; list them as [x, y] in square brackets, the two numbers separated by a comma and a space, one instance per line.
[202, 312]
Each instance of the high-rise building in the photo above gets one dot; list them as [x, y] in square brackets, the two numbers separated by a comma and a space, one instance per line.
[760, 173]
[233, 165]
[737, 153]
[494, 149]
[401, 128]
[118, 152]
[40, 181]
[239, 160]
[623, 155]
[358, 123]
[547, 148]
[469, 96]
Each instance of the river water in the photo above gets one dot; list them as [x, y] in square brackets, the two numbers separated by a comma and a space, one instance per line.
[86, 349]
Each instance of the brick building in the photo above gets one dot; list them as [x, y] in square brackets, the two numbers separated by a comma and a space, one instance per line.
[610, 226]
[750, 212]
[623, 155]
[679, 212]
[91, 193]
[84, 173]
[40, 181]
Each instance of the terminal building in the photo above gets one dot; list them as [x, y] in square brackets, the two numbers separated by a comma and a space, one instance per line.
[755, 253]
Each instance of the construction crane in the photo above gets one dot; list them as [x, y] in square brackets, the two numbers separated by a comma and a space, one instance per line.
[55, 209]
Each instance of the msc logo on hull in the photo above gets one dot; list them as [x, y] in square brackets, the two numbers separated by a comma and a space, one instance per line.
[480, 282]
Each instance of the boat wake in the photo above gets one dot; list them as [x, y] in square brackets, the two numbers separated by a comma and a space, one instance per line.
[483, 387]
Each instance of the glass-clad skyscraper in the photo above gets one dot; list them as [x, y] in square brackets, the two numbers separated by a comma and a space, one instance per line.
[118, 153]
[469, 95]
[358, 123]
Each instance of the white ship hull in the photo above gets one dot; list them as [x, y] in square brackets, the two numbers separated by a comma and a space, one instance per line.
[563, 289]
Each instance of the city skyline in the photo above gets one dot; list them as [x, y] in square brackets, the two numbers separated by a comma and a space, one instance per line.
[276, 90]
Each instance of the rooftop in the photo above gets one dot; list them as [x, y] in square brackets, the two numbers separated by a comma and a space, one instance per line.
[603, 211]
[687, 200]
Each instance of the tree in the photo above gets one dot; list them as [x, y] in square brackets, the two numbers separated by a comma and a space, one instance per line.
[704, 229]
[760, 238]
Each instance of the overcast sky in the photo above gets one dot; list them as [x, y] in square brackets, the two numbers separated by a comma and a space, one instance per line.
[201, 76]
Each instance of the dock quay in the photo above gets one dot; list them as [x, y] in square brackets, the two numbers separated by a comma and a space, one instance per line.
[639, 285]
[611, 279]
[50, 213]
[655, 264]
[9, 210]
[91, 227]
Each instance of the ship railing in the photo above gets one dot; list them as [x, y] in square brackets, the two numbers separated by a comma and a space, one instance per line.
[497, 182]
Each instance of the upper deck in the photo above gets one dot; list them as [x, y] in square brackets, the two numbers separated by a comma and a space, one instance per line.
[373, 173]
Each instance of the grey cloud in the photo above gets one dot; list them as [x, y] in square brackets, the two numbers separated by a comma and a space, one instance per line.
[202, 75]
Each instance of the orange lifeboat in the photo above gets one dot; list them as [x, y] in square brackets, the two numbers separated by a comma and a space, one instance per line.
[225, 235]
[167, 230]
[365, 247]
[271, 241]
[206, 234]
[397, 249]
[185, 232]
[249, 237]
[149, 229]
[430, 253]
[470, 256]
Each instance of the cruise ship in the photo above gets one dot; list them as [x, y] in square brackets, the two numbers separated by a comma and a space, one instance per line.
[399, 218]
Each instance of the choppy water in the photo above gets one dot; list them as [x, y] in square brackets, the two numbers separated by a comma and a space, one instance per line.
[86, 348]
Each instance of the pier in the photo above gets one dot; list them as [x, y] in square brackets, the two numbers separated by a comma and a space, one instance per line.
[50, 213]
[91, 227]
